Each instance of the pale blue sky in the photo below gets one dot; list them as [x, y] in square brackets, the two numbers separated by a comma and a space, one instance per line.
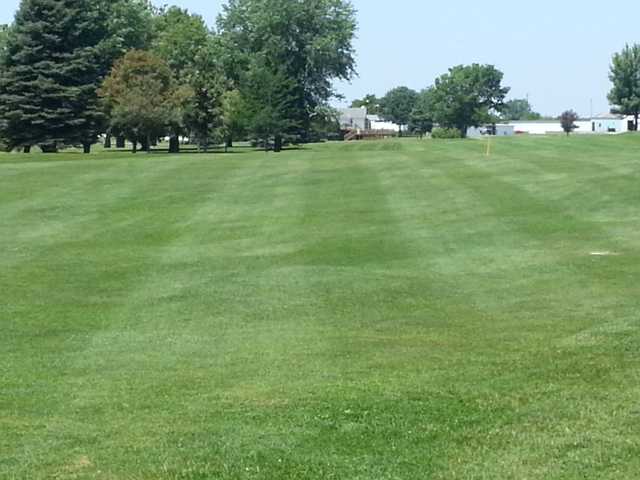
[557, 52]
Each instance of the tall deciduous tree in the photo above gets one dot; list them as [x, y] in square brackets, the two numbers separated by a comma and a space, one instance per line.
[325, 123]
[468, 96]
[309, 42]
[50, 73]
[397, 105]
[142, 97]
[185, 43]
[179, 38]
[370, 102]
[421, 118]
[205, 77]
[519, 109]
[625, 76]
[568, 121]
[129, 24]
[234, 117]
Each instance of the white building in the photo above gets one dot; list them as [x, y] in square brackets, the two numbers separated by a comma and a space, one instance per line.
[606, 123]
[610, 123]
[357, 119]
[378, 123]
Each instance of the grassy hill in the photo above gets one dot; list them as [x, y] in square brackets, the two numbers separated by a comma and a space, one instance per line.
[383, 310]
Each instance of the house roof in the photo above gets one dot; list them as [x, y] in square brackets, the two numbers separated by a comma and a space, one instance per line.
[609, 116]
[548, 120]
[354, 113]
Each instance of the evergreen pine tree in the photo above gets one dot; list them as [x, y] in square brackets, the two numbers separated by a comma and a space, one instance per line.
[50, 74]
[4, 35]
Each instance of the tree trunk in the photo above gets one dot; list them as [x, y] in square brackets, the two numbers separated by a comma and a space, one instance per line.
[154, 142]
[26, 149]
[144, 144]
[51, 148]
[400, 131]
[277, 143]
[228, 143]
[135, 145]
[86, 147]
[174, 144]
[107, 141]
[120, 141]
[635, 125]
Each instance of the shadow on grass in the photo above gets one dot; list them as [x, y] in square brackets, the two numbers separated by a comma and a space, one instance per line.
[102, 154]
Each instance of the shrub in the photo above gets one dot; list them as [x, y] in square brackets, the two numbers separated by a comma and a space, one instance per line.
[446, 133]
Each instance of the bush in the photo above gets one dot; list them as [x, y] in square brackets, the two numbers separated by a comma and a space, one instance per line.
[446, 133]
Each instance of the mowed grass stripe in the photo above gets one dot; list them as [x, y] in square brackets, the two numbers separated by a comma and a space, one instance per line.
[512, 198]
[557, 244]
[124, 264]
[166, 338]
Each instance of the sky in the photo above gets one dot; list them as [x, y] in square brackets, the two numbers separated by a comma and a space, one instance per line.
[556, 53]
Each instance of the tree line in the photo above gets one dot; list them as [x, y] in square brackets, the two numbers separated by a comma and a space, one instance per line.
[472, 95]
[72, 71]
[465, 96]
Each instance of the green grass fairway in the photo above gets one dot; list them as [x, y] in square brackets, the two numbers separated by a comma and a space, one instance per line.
[377, 310]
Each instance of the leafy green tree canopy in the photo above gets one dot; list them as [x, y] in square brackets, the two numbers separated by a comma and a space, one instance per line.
[142, 96]
[468, 96]
[309, 42]
[421, 118]
[370, 102]
[129, 25]
[519, 109]
[625, 76]
[179, 39]
[325, 123]
[235, 120]
[192, 53]
[204, 115]
[269, 99]
[397, 105]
